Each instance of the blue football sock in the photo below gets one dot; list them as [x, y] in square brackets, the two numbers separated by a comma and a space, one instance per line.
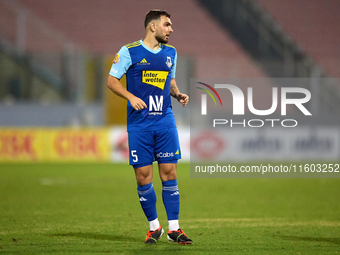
[147, 198]
[170, 196]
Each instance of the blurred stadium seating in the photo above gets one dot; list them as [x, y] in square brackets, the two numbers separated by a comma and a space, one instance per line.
[64, 41]
[115, 23]
[60, 51]
[55, 56]
[313, 25]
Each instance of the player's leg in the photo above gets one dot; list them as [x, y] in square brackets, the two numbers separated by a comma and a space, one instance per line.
[167, 151]
[141, 158]
[143, 174]
[147, 195]
[170, 192]
[171, 200]
[148, 199]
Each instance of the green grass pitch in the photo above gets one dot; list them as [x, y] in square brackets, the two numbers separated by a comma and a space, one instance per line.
[94, 209]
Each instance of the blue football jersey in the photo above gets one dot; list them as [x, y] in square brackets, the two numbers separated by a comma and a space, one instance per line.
[148, 76]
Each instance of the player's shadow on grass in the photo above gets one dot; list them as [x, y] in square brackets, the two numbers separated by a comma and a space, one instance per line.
[312, 239]
[99, 236]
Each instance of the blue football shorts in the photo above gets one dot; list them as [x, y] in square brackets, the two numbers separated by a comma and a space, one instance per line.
[155, 145]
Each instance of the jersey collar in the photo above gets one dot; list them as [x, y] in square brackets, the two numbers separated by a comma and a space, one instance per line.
[151, 50]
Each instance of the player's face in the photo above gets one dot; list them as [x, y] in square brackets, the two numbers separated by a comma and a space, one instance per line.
[163, 30]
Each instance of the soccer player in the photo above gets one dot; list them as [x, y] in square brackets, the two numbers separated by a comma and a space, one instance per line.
[150, 68]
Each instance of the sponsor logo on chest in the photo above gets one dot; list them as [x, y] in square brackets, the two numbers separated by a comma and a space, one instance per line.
[155, 78]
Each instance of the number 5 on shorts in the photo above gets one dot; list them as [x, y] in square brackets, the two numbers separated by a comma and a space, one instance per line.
[135, 157]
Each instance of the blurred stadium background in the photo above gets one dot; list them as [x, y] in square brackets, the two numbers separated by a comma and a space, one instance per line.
[55, 56]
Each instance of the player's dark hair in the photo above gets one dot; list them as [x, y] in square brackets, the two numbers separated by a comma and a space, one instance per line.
[154, 14]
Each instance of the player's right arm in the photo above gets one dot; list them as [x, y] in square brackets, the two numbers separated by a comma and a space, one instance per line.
[116, 87]
[121, 64]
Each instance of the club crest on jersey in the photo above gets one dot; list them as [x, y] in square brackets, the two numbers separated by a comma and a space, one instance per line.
[168, 62]
[116, 59]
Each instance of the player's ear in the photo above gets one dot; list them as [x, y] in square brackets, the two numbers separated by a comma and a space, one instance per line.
[153, 26]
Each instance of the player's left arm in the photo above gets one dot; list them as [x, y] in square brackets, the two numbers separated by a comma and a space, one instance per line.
[174, 91]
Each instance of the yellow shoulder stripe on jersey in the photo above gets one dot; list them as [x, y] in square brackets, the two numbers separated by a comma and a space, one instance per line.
[169, 46]
[134, 44]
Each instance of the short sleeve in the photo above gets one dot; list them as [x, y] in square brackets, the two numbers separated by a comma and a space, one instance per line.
[173, 68]
[121, 63]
